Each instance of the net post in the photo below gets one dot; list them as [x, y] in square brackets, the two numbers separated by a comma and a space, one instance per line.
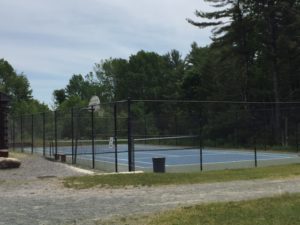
[55, 131]
[93, 137]
[116, 136]
[32, 133]
[130, 144]
[44, 134]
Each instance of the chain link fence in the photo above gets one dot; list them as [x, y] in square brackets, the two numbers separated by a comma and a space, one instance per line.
[191, 135]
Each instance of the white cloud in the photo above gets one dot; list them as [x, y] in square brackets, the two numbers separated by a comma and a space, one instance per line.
[53, 39]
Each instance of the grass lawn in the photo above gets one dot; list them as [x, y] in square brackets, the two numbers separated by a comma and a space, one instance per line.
[150, 179]
[283, 210]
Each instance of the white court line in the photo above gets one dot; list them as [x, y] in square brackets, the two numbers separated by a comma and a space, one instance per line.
[269, 155]
[112, 162]
[246, 152]
[171, 156]
[166, 154]
[210, 163]
[142, 162]
[98, 160]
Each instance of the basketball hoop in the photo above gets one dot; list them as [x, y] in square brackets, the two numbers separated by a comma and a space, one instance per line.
[94, 103]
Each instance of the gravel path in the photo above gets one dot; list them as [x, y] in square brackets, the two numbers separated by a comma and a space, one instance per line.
[31, 195]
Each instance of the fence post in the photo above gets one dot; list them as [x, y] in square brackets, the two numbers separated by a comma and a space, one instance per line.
[44, 134]
[297, 140]
[176, 129]
[145, 129]
[255, 152]
[116, 137]
[21, 127]
[13, 133]
[55, 131]
[32, 133]
[72, 133]
[200, 141]
[76, 133]
[130, 144]
[93, 136]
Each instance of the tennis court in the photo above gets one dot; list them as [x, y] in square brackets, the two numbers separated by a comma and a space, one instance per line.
[180, 153]
[190, 158]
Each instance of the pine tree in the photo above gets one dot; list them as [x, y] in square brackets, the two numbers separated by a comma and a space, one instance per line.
[259, 35]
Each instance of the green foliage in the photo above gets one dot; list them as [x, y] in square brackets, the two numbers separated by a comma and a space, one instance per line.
[198, 76]
[78, 92]
[73, 101]
[146, 75]
[18, 88]
[59, 96]
[112, 76]
[256, 40]
[257, 45]
[30, 106]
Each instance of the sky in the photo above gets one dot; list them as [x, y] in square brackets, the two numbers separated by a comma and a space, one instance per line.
[50, 40]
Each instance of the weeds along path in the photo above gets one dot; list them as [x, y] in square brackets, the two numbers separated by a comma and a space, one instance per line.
[31, 195]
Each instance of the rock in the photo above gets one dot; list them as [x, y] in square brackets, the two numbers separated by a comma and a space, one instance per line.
[9, 163]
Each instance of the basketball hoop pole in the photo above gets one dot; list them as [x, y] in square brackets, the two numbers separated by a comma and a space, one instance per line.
[77, 127]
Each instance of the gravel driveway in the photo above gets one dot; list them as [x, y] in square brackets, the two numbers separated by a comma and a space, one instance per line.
[34, 194]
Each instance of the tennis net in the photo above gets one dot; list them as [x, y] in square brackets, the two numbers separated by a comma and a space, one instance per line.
[85, 147]
[82, 147]
[166, 143]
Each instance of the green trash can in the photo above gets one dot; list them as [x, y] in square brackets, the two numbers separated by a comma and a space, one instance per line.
[159, 164]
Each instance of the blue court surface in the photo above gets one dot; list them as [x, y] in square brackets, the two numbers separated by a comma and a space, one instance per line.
[189, 157]
[177, 158]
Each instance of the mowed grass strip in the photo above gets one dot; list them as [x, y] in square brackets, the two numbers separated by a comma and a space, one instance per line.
[152, 179]
[279, 210]
[283, 210]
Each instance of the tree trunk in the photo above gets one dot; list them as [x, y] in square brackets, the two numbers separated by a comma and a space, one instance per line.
[273, 54]
[276, 104]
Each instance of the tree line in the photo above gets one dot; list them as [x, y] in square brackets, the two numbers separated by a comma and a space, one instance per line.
[254, 56]
[18, 88]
